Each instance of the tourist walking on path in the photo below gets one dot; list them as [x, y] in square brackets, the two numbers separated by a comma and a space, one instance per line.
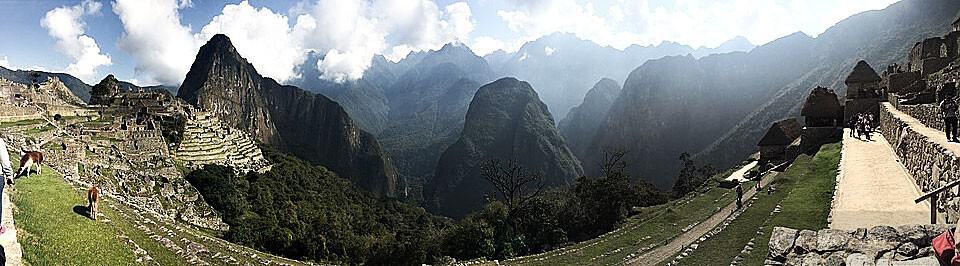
[852, 125]
[948, 108]
[7, 174]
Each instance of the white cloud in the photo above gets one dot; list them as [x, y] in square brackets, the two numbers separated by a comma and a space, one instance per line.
[4, 62]
[348, 32]
[621, 23]
[163, 48]
[66, 25]
[547, 50]
[261, 36]
[351, 32]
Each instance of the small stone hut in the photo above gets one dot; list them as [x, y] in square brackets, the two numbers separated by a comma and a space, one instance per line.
[781, 142]
[822, 109]
[863, 95]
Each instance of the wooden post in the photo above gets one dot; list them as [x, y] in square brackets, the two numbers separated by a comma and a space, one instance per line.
[933, 209]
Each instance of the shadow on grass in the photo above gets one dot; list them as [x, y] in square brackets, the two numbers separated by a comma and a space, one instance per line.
[82, 210]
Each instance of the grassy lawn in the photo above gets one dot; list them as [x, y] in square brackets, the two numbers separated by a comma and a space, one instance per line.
[21, 123]
[652, 227]
[37, 130]
[804, 192]
[52, 232]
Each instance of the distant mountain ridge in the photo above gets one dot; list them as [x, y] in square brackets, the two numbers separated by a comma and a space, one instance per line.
[80, 89]
[308, 125]
[563, 67]
[583, 121]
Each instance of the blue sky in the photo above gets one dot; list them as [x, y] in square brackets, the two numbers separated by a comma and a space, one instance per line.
[154, 41]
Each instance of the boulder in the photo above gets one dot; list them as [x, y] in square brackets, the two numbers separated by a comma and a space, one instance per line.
[832, 240]
[781, 241]
[806, 242]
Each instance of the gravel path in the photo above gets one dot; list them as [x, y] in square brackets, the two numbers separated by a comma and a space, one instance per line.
[9, 239]
[873, 188]
[667, 251]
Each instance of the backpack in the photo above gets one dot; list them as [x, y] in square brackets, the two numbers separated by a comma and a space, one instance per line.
[944, 247]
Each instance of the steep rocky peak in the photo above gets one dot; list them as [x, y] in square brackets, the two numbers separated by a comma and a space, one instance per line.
[217, 60]
[508, 88]
[604, 87]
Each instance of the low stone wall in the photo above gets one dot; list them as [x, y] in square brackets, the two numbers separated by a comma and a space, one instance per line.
[879, 245]
[928, 114]
[930, 164]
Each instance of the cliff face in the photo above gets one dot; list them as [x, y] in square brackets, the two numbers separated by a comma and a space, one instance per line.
[304, 124]
[508, 122]
[581, 123]
[681, 104]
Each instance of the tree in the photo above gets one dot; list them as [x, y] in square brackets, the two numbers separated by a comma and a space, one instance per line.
[691, 175]
[514, 185]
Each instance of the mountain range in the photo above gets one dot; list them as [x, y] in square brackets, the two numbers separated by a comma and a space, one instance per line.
[389, 130]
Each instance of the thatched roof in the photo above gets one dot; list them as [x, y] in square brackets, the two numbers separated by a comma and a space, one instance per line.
[862, 72]
[822, 102]
[781, 133]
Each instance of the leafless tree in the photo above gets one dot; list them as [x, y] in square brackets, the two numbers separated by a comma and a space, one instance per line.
[613, 163]
[514, 185]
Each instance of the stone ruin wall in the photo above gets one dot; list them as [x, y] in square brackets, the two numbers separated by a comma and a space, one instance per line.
[929, 163]
[207, 141]
[880, 245]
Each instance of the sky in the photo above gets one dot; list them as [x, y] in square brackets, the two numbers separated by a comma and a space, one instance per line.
[150, 42]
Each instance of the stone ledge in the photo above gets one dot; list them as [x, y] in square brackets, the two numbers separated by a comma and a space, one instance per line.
[880, 245]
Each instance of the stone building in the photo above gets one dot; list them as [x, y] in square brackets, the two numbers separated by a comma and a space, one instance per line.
[780, 143]
[822, 109]
[863, 92]
[822, 118]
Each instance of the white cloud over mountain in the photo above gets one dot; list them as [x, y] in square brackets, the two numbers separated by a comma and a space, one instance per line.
[348, 32]
[162, 47]
[66, 25]
[620, 23]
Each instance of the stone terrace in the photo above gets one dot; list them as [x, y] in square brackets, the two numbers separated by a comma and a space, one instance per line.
[207, 141]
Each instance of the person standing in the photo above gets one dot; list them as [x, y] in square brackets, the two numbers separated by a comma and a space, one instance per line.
[7, 171]
[948, 108]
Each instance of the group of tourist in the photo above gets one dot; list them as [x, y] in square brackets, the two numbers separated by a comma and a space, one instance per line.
[862, 125]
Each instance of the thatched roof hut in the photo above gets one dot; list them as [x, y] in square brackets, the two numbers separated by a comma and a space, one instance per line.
[862, 72]
[822, 103]
[781, 133]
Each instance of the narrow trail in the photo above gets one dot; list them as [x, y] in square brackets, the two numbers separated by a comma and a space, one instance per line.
[873, 188]
[8, 240]
[665, 252]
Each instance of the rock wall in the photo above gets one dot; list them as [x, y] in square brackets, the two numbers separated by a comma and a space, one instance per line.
[931, 164]
[928, 114]
[879, 245]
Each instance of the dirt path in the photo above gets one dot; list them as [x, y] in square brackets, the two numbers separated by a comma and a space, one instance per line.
[667, 251]
[873, 188]
[743, 170]
[9, 239]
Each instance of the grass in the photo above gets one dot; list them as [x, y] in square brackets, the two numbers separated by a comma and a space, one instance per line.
[653, 227]
[22, 123]
[52, 232]
[37, 130]
[804, 192]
